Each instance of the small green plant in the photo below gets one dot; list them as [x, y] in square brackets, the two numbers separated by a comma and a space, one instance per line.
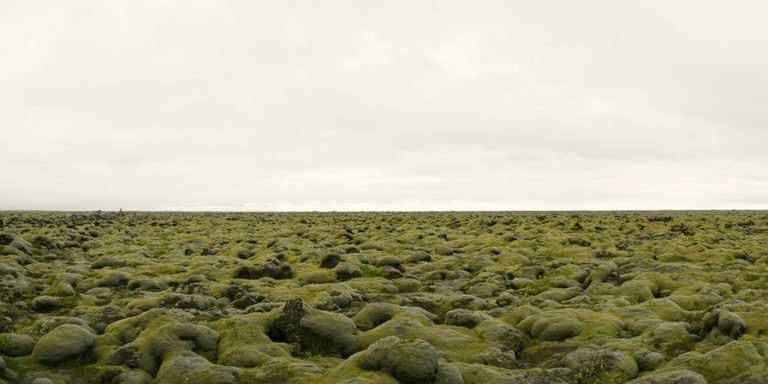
[256, 329]
[594, 374]
[308, 355]
[551, 254]
[371, 271]
[6, 342]
[163, 269]
[43, 329]
[592, 335]
[59, 290]
[295, 350]
[214, 294]
[540, 285]
[681, 344]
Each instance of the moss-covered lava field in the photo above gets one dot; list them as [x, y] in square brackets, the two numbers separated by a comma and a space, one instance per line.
[447, 297]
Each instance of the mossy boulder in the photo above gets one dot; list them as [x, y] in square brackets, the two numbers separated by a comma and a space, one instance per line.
[272, 268]
[600, 365]
[113, 279]
[347, 271]
[154, 343]
[314, 331]
[144, 284]
[727, 363]
[107, 261]
[410, 361]
[465, 318]
[330, 260]
[188, 367]
[5, 239]
[671, 338]
[682, 376]
[551, 326]
[725, 322]
[65, 342]
[46, 303]
[483, 374]
[13, 344]
[123, 375]
[647, 360]
[244, 342]
[605, 273]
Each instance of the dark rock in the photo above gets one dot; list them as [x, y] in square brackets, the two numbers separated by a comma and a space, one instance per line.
[46, 303]
[314, 331]
[273, 269]
[347, 271]
[330, 260]
[579, 241]
[5, 239]
[6, 324]
[247, 299]
[47, 242]
[286, 326]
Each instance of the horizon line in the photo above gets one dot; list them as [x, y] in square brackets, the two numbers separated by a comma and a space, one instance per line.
[385, 211]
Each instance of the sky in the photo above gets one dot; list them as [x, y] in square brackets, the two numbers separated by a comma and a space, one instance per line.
[383, 105]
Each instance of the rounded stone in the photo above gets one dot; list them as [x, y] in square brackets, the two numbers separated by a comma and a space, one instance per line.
[13, 344]
[63, 343]
[410, 361]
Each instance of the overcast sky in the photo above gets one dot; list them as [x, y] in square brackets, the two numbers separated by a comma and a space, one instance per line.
[383, 105]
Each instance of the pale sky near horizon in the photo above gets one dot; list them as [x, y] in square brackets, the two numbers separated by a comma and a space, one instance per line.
[396, 105]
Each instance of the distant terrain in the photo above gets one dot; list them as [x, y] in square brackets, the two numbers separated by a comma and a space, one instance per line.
[446, 297]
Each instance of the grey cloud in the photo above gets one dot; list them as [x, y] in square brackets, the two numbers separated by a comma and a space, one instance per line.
[395, 105]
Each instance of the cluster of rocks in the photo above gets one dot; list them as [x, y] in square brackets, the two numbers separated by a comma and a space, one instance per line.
[470, 298]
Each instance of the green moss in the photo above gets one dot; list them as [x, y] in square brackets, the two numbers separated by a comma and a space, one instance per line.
[595, 373]
[371, 271]
[6, 342]
[538, 286]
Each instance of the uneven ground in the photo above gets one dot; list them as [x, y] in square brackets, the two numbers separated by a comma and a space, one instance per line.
[576, 297]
